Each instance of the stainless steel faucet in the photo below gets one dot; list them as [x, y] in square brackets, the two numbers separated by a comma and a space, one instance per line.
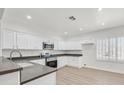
[15, 50]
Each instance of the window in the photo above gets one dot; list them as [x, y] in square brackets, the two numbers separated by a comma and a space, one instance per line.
[111, 49]
[120, 49]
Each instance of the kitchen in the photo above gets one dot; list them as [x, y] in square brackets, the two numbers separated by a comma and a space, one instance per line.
[39, 46]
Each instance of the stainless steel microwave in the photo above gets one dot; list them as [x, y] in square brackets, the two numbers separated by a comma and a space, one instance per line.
[48, 46]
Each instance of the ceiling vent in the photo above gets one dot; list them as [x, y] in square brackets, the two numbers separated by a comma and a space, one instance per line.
[72, 18]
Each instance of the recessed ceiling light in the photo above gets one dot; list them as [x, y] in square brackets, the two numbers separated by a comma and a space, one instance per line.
[103, 24]
[99, 9]
[65, 33]
[81, 29]
[29, 17]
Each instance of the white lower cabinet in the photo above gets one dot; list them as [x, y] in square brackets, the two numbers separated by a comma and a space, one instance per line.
[70, 61]
[73, 61]
[49, 79]
[62, 61]
[10, 79]
[39, 61]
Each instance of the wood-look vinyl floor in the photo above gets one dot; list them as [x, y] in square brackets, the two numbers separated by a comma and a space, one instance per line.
[86, 76]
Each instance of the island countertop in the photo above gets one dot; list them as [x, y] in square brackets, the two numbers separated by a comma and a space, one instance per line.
[27, 74]
[34, 72]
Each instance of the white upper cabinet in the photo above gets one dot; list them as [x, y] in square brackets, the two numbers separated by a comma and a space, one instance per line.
[26, 41]
[8, 38]
[22, 41]
[61, 45]
[72, 45]
[17, 40]
[37, 42]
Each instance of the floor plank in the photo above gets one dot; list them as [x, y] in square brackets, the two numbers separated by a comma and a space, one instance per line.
[86, 76]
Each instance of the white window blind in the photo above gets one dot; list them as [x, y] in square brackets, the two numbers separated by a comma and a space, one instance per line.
[111, 49]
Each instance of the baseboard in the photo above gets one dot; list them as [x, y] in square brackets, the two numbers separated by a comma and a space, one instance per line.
[91, 67]
[104, 69]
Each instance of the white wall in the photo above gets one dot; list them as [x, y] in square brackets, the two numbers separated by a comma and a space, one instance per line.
[89, 53]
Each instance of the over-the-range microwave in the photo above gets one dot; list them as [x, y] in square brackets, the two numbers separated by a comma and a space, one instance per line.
[48, 45]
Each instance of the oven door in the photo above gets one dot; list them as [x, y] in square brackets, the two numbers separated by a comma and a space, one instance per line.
[52, 63]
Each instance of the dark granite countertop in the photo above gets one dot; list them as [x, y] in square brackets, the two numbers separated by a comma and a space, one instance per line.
[38, 57]
[33, 72]
[7, 66]
[59, 55]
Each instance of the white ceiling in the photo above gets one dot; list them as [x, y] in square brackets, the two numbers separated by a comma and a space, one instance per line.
[54, 21]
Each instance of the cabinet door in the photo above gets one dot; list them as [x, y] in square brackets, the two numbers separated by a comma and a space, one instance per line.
[70, 45]
[36, 42]
[32, 42]
[62, 61]
[80, 62]
[73, 61]
[26, 41]
[61, 45]
[56, 45]
[8, 39]
[10, 79]
[39, 43]
[22, 41]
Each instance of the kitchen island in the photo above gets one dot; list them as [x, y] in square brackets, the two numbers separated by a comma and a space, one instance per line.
[36, 74]
[13, 74]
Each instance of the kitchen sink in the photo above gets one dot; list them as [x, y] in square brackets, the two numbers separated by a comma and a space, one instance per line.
[25, 64]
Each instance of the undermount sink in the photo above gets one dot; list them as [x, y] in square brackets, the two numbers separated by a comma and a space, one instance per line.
[25, 64]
